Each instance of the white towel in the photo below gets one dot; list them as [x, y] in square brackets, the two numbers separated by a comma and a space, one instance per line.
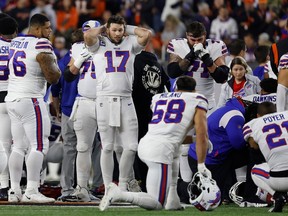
[114, 111]
[74, 109]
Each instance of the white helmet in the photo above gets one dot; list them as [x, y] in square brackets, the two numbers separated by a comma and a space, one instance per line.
[236, 192]
[204, 193]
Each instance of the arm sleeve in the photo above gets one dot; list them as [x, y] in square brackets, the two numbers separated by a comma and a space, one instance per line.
[173, 70]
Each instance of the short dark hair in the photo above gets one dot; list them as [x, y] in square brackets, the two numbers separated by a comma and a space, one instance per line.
[261, 53]
[38, 20]
[266, 108]
[236, 46]
[116, 19]
[269, 85]
[77, 36]
[185, 83]
[8, 25]
[197, 29]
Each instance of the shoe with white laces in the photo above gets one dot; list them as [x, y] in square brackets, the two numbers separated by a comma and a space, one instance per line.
[14, 196]
[34, 196]
[133, 186]
[80, 194]
[112, 194]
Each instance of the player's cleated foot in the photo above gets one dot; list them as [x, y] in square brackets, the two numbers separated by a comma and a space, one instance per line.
[34, 196]
[280, 199]
[14, 196]
[4, 194]
[112, 192]
[80, 194]
[173, 201]
[133, 186]
[174, 206]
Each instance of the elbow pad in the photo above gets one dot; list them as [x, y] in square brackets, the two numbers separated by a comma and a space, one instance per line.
[220, 75]
[68, 76]
[174, 70]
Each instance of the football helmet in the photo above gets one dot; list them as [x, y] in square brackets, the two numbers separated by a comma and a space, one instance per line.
[236, 192]
[204, 193]
[90, 24]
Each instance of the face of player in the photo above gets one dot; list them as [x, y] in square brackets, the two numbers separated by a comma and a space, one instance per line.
[238, 71]
[192, 40]
[116, 32]
[46, 30]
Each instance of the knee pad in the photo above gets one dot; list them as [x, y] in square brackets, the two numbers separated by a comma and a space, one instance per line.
[20, 151]
[83, 147]
[107, 147]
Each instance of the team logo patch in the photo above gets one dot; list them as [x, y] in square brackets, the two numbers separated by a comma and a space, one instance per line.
[151, 78]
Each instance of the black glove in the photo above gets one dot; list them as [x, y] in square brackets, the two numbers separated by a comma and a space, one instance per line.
[191, 56]
[207, 60]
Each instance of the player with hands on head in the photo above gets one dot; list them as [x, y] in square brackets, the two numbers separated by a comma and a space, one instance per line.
[113, 56]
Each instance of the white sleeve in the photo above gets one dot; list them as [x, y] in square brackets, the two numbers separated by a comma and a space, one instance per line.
[281, 97]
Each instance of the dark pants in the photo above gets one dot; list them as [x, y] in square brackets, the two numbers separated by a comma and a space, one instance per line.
[223, 174]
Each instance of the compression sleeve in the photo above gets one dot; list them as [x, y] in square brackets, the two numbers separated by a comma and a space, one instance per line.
[220, 75]
[174, 70]
[68, 76]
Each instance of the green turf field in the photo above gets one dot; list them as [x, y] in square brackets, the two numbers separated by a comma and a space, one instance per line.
[229, 210]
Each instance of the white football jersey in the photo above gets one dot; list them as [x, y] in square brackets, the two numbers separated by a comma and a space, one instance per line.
[87, 80]
[283, 62]
[4, 57]
[198, 70]
[257, 98]
[26, 80]
[173, 115]
[271, 133]
[114, 66]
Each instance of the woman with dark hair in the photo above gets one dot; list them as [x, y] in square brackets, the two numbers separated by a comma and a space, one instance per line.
[240, 84]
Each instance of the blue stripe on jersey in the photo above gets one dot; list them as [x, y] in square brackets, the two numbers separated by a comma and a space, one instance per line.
[200, 107]
[203, 98]
[170, 47]
[39, 125]
[247, 132]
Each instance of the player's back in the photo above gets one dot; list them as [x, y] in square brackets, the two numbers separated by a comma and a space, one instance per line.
[114, 65]
[271, 133]
[173, 115]
[4, 57]
[26, 79]
[87, 81]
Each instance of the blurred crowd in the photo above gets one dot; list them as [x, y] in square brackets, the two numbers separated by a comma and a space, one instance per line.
[257, 22]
